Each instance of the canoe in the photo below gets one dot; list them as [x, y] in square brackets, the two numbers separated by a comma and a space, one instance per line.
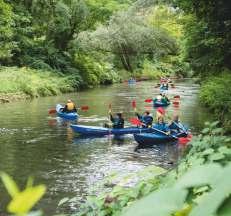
[102, 131]
[131, 82]
[149, 139]
[160, 104]
[64, 115]
[163, 88]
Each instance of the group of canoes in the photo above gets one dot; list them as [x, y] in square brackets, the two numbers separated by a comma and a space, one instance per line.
[145, 132]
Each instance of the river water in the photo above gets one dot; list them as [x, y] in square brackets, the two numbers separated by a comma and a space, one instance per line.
[32, 143]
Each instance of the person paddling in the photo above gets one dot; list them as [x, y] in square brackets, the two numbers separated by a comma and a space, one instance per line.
[146, 119]
[175, 125]
[161, 125]
[158, 98]
[117, 121]
[69, 107]
[165, 98]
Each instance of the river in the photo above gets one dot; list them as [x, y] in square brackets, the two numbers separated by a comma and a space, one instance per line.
[32, 143]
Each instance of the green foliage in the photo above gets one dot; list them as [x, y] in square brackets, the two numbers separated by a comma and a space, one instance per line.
[207, 35]
[94, 70]
[22, 201]
[198, 186]
[129, 37]
[112, 203]
[33, 82]
[6, 31]
[215, 94]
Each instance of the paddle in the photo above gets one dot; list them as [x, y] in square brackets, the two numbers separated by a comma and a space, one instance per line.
[83, 108]
[137, 122]
[179, 125]
[148, 100]
[134, 105]
[165, 133]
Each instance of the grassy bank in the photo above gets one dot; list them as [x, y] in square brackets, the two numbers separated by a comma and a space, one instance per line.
[201, 176]
[21, 83]
[215, 95]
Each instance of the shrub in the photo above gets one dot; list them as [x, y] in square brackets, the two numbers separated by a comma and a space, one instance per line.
[34, 83]
[215, 94]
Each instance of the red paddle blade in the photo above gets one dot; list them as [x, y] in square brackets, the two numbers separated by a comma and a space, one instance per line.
[134, 104]
[185, 140]
[52, 111]
[148, 107]
[176, 102]
[177, 96]
[135, 121]
[149, 100]
[84, 108]
[161, 110]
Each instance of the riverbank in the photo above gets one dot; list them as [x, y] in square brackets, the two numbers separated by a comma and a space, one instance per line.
[179, 192]
[26, 83]
[215, 95]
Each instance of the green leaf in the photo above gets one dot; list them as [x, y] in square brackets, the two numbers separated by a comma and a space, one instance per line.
[205, 130]
[224, 150]
[162, 203]
[10, 184]
[216, 156]
[217, 130]
[214, 124]
[199, 176]
[25, 200]
[62, 201]
[214, 199]
[208, 151]
[225, 209]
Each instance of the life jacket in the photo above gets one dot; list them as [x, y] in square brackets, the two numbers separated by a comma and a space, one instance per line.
[118, 123]
[147, 120]
[70, 106]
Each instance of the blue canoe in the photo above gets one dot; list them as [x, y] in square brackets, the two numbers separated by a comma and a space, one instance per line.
[102, 131]
[149, 139]
[163, 88]
[64, 115]
[160, 104]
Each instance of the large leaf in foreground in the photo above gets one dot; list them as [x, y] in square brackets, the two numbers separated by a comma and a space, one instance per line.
[214, 199]
[162, 203]
[200, 175]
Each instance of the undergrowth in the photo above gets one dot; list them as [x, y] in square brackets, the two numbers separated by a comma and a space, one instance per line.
[34, 83]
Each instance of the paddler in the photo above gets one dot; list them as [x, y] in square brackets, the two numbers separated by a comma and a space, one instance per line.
[161, 125]
[117, 121]
[69, 107]
[175, 125]
[146, 119]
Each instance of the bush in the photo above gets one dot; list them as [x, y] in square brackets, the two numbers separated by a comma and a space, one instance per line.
[95, 71]
[34, 83]
[215, 94]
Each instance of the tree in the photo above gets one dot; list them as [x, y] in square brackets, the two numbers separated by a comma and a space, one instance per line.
[6, 32]
[208, 34]
[128, 37]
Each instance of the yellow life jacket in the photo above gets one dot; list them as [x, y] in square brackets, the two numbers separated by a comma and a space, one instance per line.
[70, 106]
